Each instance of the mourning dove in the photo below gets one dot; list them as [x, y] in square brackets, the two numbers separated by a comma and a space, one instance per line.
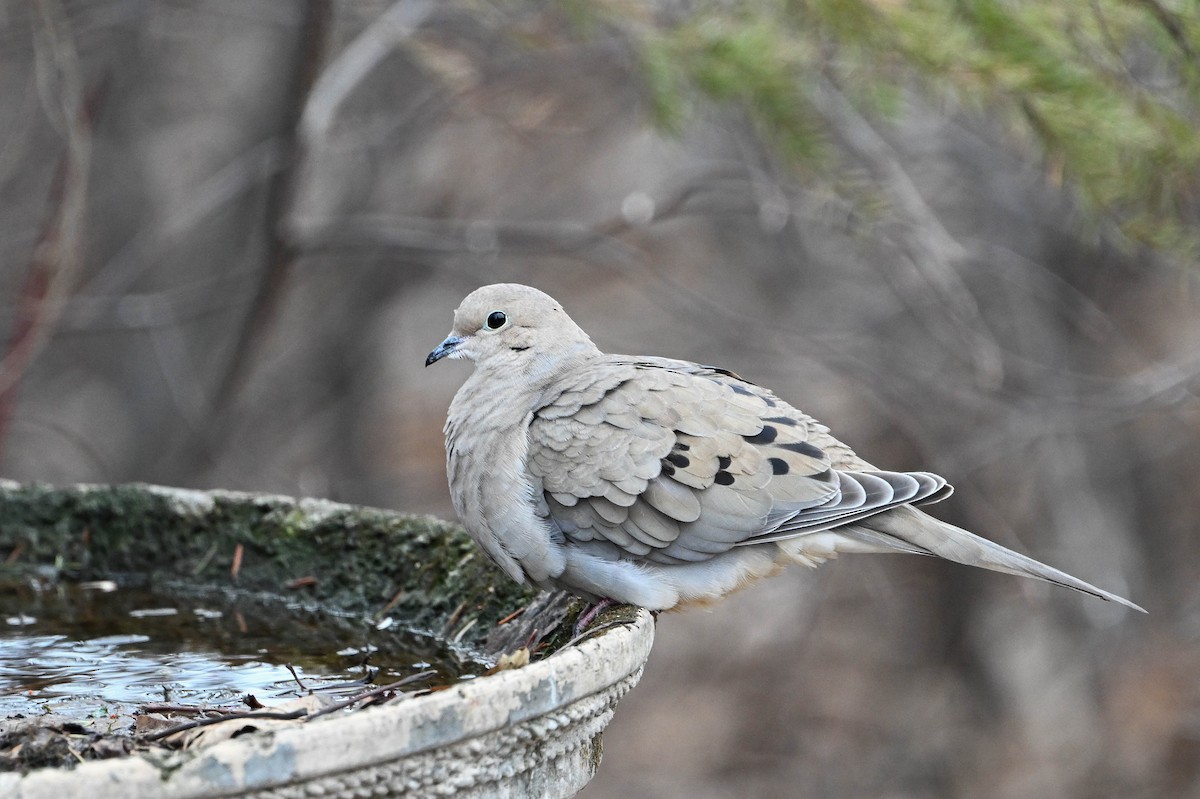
[658, 482]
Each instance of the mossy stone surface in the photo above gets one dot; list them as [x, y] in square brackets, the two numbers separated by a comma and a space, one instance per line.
[423, 571]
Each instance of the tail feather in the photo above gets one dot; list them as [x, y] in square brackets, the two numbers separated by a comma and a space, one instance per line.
[921, 532]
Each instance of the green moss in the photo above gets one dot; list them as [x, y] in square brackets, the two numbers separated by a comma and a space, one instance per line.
[420, 569]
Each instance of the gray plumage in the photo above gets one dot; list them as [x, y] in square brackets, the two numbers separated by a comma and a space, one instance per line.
[661, 482]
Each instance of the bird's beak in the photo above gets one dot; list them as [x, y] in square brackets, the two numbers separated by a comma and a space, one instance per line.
[447, 347]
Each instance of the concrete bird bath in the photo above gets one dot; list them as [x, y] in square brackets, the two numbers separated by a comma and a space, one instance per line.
[528, 731]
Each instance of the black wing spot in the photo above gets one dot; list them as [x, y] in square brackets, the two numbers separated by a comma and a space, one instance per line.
[668, 469]
[765, 436]
[682, 447]
[803, 448]
[787, 421]
[678, 459]
[723, 461]
[778, 465]
[723, 478]
[718, 370]
[726, 373]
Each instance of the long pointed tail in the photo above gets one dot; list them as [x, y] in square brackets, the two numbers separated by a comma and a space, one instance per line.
[924, 532]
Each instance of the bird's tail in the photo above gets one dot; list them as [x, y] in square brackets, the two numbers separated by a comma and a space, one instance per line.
[914, 531]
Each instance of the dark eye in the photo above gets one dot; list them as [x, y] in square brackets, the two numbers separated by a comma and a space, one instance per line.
[496, 320]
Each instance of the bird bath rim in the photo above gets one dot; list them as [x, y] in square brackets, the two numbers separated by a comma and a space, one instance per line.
[533, 730]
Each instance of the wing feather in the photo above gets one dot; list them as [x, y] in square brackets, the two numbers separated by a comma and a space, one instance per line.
[675, 462]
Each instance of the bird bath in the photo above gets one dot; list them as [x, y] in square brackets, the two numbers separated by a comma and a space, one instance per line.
[532, 730]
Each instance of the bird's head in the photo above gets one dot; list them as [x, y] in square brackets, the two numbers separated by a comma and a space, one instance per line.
[510, 326]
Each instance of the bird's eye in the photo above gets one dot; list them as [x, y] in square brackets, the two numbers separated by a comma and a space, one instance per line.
[496, 320]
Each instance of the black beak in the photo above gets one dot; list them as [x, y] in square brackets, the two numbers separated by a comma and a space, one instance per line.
[445, 348]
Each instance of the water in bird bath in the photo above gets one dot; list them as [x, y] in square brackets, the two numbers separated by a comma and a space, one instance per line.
[88, 649]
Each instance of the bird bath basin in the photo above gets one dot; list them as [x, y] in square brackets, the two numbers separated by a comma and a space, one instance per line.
[531, 730]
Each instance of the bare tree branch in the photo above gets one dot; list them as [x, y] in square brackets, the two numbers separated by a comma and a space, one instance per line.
[932, 251]
[57, 259]
[279, 257]
[356, 62]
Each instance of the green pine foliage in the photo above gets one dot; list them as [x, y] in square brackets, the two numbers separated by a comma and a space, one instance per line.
[1105, 92]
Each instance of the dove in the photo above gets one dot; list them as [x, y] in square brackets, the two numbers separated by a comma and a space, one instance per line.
[663, 483]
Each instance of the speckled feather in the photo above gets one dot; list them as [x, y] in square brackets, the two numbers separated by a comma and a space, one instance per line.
[684, 462]
[662, 482]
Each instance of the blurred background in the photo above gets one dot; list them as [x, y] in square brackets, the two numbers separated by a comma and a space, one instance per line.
[962, 234]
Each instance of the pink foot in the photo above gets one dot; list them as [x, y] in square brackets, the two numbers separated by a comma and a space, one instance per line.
[590, 615]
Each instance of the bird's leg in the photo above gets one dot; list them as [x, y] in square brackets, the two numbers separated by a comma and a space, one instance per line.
[589, 615]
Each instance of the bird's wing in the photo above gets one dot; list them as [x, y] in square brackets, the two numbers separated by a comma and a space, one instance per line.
[675, 462]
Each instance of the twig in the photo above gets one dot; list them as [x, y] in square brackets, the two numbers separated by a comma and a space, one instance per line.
[345, 703]
[295, 714]
[454, 617]
[533, 636]
[206, 559]
[188, 725]
[454, 236]
[511, 616]
[170, 707]
[459, 636]
[15, 553]
[391, 603]
[590, 631]
[296, 677]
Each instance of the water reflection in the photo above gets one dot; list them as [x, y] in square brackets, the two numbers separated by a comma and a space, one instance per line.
[74, 649]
